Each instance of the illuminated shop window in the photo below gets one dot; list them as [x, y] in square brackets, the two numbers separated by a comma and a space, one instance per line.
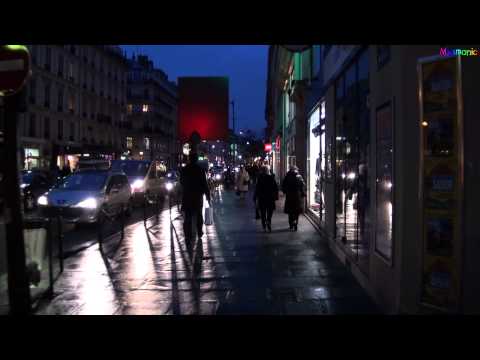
[129, 142]
[145, 108]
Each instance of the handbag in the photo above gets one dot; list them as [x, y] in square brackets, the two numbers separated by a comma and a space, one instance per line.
[208, 216]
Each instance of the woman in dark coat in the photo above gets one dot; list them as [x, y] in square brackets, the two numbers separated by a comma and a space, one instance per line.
[266, 193]
[293, 187]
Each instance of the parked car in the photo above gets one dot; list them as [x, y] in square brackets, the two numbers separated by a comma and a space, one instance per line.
[33, 184]
[97, 164]
[87, 196]
[144, 178]
[172, 182]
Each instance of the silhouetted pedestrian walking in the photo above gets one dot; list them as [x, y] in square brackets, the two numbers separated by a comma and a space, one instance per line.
[243, 180]
[194, 185]
[293, 187]
[266, 193]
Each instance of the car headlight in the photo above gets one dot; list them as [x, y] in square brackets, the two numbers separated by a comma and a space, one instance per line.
[169, 186]
[89, 203]
[218, 177]
[137, 184]
[42, 200]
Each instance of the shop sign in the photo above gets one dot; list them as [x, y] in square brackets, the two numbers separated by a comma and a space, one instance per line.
[268, 147]
[441, 169]
[277, 143]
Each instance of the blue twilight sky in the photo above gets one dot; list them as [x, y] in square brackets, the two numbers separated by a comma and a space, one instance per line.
[244, 65]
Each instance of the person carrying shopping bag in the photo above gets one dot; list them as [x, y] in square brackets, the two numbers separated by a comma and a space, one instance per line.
[194, 186]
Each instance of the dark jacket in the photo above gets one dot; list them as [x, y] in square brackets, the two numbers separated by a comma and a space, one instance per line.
[194, 185]
[266, 191]
[293, 187]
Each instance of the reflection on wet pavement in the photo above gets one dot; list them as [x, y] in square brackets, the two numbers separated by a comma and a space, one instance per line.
[234, 269]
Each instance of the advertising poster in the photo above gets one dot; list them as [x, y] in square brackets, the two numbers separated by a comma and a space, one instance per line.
[440, 187]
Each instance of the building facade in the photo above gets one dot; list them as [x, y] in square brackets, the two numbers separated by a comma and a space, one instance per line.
[151, 128]
[391, 166]
[76, 103]
[289, 79]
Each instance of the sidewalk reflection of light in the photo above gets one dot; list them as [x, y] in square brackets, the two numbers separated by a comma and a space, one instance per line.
[141, 260]
[96, 291]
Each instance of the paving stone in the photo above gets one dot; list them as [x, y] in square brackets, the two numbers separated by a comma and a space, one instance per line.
[236, 269]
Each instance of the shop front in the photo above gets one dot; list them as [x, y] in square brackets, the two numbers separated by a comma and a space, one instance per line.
[276, 158]
[35, 155]
[32, 158]
[316, 164]
[353, 221]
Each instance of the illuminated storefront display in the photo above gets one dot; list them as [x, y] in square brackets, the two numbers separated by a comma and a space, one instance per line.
[32, 158]
[316, 163]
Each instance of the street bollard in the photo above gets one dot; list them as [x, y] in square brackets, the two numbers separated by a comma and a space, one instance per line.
[60, 241]
[123, 219]
[50, 256]
[145, 210]
[100, 229]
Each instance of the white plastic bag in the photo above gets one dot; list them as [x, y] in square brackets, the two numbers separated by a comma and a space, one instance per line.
[35, 245]
[208, 216]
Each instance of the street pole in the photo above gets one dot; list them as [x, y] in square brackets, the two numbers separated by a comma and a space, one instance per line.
[234, 138]
[18, 284]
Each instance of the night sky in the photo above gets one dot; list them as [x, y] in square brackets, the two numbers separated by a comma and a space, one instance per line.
[244, 65]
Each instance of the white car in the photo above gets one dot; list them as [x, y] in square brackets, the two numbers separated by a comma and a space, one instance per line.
[144, 178]
[87, 196]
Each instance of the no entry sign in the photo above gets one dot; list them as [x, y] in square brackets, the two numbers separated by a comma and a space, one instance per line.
[14, 68]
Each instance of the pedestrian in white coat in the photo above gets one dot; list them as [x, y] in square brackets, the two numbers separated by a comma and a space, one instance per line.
[242, 182]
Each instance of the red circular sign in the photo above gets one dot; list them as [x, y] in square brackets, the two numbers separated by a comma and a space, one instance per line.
[14, 68]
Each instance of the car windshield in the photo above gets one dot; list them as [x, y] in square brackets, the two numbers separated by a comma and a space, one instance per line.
[131, 168]
[27, 178]
[85, 181]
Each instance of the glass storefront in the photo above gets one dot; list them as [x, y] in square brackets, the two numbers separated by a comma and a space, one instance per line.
[316, 163]
[32, 158]
[352, 190]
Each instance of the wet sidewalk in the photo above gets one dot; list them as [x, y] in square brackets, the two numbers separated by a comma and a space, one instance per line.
[235, 269]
